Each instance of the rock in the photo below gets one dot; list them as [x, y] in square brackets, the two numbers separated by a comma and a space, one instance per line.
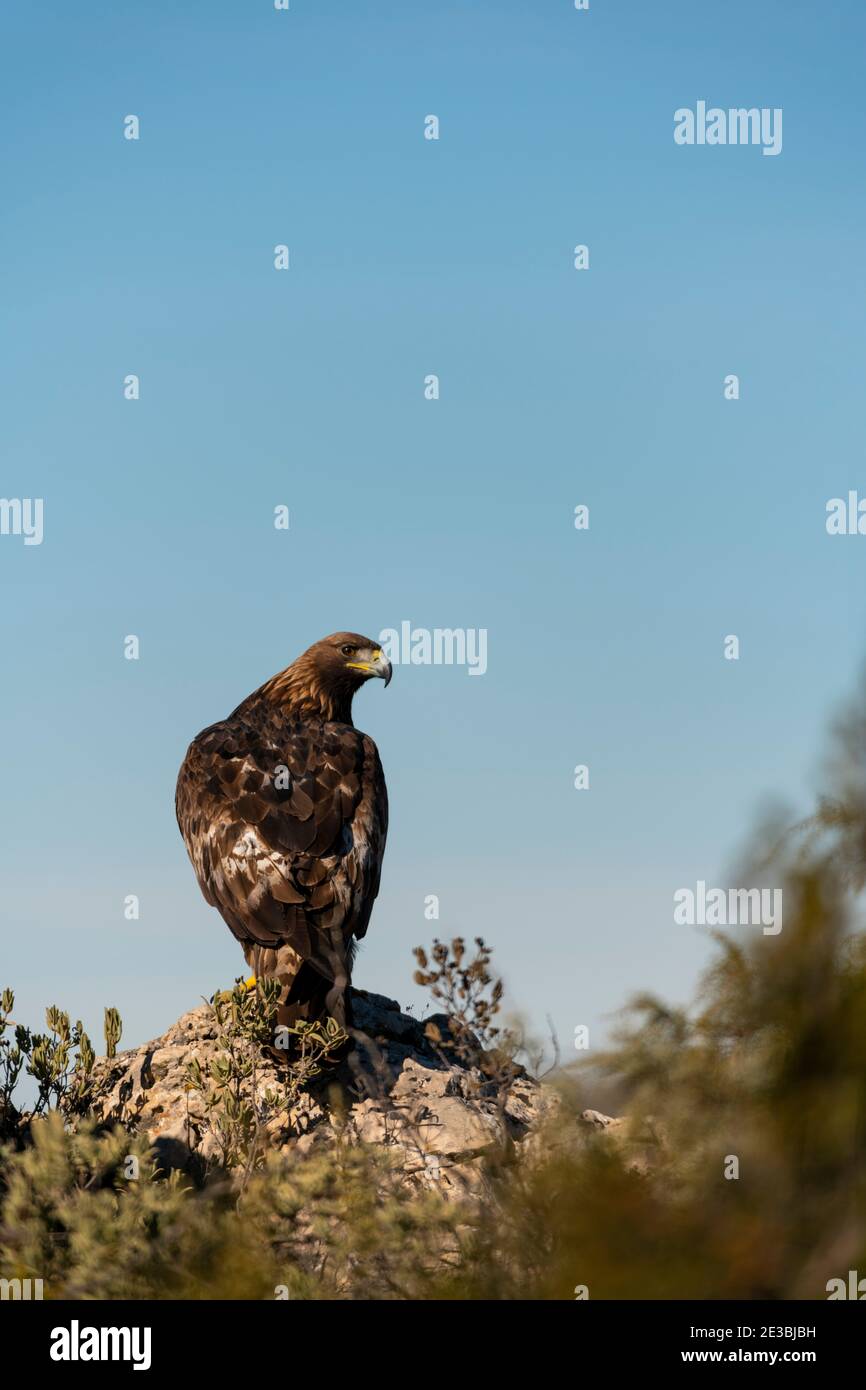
[639, 1145]
[595, 1120]
[452, 1128]
[173, 1149]
[437, 1111]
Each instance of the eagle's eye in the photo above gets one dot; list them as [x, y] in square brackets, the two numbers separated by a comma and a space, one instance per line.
[347, 651]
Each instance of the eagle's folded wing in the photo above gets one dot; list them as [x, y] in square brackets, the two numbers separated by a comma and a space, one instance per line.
[287, 841]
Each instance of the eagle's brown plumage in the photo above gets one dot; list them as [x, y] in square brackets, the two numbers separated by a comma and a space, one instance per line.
[284, 813]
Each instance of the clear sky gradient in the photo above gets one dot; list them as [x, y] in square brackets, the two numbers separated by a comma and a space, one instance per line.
[305, 387]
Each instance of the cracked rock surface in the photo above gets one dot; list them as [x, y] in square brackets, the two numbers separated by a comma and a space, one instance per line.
[437, 1113]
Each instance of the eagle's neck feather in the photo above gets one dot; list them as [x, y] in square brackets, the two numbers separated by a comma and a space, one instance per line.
[300, 690]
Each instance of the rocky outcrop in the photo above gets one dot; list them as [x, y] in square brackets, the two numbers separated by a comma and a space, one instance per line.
[436, 1110]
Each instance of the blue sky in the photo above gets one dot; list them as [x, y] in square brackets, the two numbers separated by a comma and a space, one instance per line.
[305, 388]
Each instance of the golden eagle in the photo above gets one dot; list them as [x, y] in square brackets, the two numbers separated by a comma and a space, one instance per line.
[284, 813]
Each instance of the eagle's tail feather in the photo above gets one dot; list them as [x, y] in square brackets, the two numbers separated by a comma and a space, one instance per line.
[307, 994]
[312, 996]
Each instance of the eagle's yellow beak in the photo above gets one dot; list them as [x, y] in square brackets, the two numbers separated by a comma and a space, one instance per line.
[378, 665]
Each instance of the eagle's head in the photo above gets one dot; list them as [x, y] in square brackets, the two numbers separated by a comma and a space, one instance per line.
[346, 660]
[324, 678]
